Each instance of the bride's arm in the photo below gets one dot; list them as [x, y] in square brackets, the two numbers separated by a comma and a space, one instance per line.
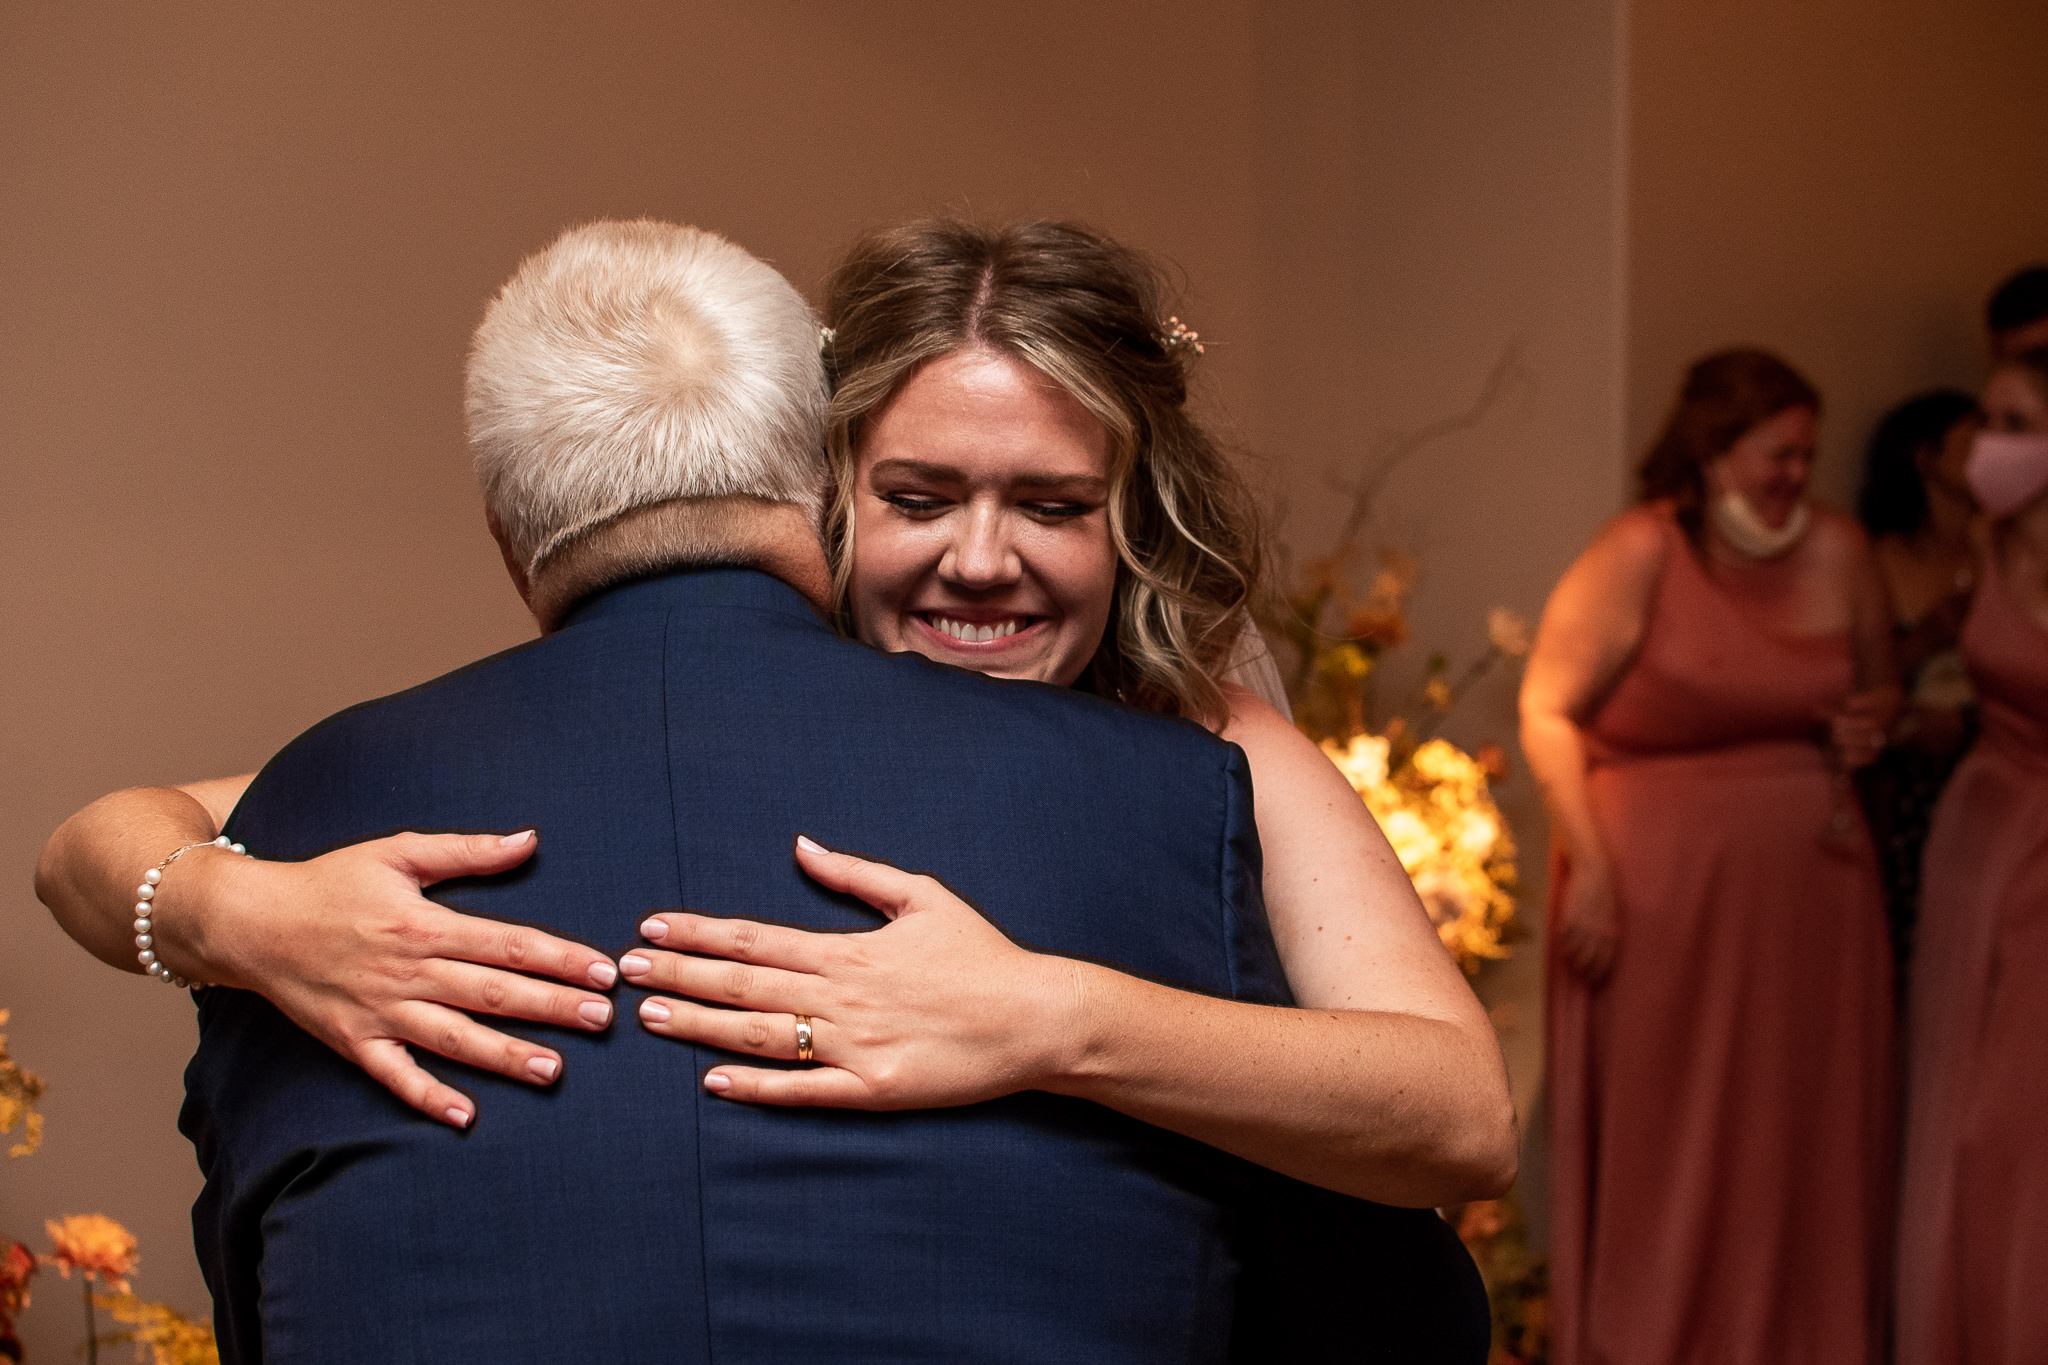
[1387, 1084]
[344, 944]
[91, 866]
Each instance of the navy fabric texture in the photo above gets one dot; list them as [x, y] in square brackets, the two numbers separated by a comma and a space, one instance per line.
[669, 743]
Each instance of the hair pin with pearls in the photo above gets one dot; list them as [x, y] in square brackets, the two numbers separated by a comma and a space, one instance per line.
[1178, 336]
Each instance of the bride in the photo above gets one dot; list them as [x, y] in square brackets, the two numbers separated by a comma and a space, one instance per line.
[1020, 490]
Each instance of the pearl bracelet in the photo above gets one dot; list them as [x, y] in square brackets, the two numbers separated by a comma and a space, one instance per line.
[145, 936]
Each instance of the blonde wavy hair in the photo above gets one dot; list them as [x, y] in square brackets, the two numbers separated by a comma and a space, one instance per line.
[1090, 315]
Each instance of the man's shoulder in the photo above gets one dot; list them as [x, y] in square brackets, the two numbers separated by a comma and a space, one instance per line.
[1064, 706]
[457, 691]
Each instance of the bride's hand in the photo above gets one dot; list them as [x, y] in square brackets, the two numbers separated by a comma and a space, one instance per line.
[348, 948]
[935, 1008]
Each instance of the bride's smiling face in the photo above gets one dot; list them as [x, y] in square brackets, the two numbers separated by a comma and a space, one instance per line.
[980, 532]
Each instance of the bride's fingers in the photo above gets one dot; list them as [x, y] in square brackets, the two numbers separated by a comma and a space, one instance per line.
[431, 858]
[515, 947]
[824, 1087]
[486, 990]
[454, 1035]
[389, 1064]
[757, 1035]
[890, 890]
[767, 989]
[742, 940]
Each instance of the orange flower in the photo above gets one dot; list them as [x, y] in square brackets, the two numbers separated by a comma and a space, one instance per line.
[1378, 625]
[95, 1246]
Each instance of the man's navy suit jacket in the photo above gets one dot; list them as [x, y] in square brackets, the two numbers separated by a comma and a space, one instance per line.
[668, 743]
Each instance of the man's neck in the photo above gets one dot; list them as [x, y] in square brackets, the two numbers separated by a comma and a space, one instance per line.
[777, 538]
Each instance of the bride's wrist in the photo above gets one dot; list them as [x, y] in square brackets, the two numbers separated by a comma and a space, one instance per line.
[198, 906]
[1069, 1046]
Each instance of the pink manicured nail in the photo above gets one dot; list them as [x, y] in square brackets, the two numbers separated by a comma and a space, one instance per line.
[458, 1117]
[804, 842]
[515, 840]
[602, 974]
[654, 1011]
[716, 1083]
[632, 964]
[543, 1067]
[596, 1013]
[654, 929]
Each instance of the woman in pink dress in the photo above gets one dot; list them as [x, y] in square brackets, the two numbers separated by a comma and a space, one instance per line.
[1720, 978]
[1973, 1245]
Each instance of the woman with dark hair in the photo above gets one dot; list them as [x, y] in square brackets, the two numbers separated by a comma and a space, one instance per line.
[1720, 984]
[1973, 1213]
[1917, 506]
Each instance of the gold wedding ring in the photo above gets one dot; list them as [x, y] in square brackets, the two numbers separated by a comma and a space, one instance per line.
[803, 1037]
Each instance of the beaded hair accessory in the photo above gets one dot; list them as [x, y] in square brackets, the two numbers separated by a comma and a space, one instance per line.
[1177, 336]
[825, 338]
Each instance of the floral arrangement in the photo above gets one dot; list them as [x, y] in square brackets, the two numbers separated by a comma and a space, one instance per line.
[1436, 811]
[1431, 799]
[98, 1248]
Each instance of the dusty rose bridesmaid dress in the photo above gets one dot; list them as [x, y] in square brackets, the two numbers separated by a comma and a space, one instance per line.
[1722, 1104]
[1973, 1234]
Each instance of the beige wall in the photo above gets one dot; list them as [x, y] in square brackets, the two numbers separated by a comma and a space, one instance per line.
[1843, 181]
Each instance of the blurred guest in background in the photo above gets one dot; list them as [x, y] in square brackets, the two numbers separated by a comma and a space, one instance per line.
[1973, 1243]
[1917, 506]
[1720, 981]
[2016, 317]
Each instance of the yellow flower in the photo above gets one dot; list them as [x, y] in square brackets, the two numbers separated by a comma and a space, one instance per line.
[95, 1246]
[1363, 762]
[1440, 819]
[19, 1091]
[172, 1338]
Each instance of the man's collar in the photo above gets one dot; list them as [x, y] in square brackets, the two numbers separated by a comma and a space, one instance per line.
[708, 585]
[775, 538]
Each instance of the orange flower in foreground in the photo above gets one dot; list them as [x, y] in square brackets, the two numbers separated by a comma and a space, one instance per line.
[94, 1245]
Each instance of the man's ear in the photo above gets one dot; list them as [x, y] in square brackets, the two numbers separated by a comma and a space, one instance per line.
[513, 565]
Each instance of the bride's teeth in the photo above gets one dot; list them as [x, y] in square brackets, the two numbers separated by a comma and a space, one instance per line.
[972, 634]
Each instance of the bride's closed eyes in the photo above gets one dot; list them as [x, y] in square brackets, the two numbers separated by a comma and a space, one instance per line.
[924, 505]
[921, 489]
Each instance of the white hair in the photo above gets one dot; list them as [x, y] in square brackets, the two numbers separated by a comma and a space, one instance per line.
[634, 363]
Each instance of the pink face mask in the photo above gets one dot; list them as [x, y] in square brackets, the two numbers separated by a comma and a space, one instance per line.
[2008, 470]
